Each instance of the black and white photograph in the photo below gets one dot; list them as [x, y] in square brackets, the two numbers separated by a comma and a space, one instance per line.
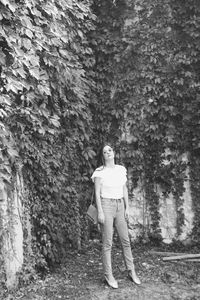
[99, 149]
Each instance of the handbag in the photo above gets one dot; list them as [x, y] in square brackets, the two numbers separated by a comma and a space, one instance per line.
[92, 213]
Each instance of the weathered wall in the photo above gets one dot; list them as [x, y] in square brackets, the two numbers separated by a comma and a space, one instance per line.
[11, 214]
[139, 214]
[140, 217]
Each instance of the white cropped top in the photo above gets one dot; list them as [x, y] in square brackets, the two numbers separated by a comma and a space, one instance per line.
[112, 180]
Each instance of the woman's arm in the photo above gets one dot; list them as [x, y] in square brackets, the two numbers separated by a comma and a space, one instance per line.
[126, 204]
[97, 185]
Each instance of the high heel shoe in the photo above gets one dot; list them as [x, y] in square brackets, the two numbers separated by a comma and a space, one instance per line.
[111, 282]
[133, 276]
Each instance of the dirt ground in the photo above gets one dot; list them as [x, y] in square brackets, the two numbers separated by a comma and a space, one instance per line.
[79, 277]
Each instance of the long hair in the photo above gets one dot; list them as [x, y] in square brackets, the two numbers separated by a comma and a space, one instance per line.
[100, 158]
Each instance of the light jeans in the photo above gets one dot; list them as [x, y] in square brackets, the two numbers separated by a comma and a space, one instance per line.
[114, 215]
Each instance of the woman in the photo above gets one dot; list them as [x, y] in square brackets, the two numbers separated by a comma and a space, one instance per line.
[113, 209]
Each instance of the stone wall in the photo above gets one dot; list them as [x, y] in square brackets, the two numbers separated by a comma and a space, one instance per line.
[11, 216]
[140, 217]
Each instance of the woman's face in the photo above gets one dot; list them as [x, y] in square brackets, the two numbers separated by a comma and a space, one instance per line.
[108, 153]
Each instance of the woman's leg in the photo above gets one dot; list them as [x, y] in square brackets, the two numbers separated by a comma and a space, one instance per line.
[107, 235]
[122, 229]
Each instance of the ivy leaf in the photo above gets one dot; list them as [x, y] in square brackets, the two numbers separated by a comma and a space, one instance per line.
[64, 53]
[12, 152]
[5, 99]
[35, 73]
[29, 33]
[44, 75]
[5, 177]
[26, 22]
[27, 44]
[21, 72]
[41, 131]
[3, 113]
[7, 3]
[51, 131]
[44, 89]
[2, 58]
[55, 121]
[13, 85]
[6, 168]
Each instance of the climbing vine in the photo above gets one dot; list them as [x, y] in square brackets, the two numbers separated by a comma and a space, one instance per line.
[75, 73]
[45, 120]
[149, 88]
[195, 187]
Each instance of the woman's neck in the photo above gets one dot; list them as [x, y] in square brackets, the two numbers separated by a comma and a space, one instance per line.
[110, 164]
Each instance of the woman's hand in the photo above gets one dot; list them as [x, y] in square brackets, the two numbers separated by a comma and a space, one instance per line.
[101, 217]
[126, 214]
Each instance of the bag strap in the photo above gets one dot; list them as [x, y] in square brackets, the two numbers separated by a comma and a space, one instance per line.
[92, 197]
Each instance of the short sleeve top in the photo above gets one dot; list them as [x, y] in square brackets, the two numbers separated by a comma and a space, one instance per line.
[112, 180]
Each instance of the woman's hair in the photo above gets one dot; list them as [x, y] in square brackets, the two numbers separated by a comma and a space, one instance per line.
[100, 158]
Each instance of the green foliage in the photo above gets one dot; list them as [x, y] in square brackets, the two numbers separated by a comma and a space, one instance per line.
[45, 116]
[107, 44]
[75, 73]
[168, 81]
[195, 187]
[147, 74]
